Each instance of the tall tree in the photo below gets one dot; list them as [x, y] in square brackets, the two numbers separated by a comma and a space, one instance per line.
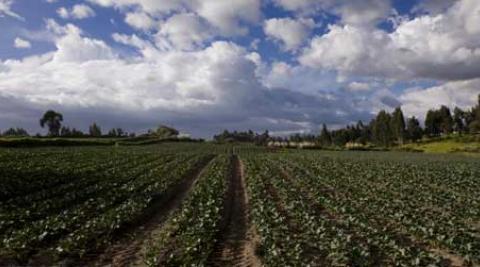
[459, 124]
[446, 120]
[95, 130]
[414, 130]
[398, 125]
[325, 138]
[474, 123]
[53, 120]
[382, 133]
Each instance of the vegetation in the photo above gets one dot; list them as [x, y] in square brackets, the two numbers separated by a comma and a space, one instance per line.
[387, 130]
[53, 120]
[305, 207]
[245, 137]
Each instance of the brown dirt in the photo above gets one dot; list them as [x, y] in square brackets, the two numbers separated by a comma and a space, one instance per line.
[127, 251]
[237, 240]
[454, 260]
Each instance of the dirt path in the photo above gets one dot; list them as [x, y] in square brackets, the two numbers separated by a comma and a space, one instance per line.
[237, 240]
[127, 251]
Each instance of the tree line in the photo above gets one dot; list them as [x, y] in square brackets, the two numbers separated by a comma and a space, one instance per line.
[245, 137]
[53, 122]
[388, 129]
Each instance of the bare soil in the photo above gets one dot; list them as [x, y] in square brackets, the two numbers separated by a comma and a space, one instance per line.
[237, 239]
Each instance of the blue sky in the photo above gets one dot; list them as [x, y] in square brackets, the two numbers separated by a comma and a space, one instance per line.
[202, 66]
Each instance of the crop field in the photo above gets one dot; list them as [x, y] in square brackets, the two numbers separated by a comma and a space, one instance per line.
[212, 205]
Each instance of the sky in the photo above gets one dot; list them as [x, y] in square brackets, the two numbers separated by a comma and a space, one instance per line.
[203, 66]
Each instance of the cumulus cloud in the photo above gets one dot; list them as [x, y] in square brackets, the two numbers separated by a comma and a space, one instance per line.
[365, 13]
[228, 17]
[80, 11]
[151, 7]
[185, 31]
[433, 6]
[140, 20]
[359, 87]
[5, 9]
[463, 94]
[444, 46]
[21, 43]
[186, 70]
[218, 88]
[298, 5]
[290, 32]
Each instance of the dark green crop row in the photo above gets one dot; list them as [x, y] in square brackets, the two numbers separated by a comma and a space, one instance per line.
[70, 209]
[378, 210]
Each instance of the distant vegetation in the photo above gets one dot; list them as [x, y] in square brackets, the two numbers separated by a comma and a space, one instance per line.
[243, 137]
[384, 131]
[392, 129]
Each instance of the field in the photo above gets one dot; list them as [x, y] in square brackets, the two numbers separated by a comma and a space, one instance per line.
[211, 205]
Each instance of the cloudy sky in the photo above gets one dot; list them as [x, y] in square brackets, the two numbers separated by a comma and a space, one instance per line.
[207, 65]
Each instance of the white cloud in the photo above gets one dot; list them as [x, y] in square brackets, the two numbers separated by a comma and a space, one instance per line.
[21, 43]
[359, 87]
[5, 9]
[63, 12]
[80, 11]
[206, 90]
[140, 20]
[463, 94]
[365, 12]
[298, 5]
[433, 6]
[73, 47]
[292, 33]
[185, 31]
[352, 50]
[151, 7]
[228, 17]
[444, 46]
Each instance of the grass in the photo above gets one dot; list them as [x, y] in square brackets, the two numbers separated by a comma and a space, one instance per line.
[450, 145]
[26, 142]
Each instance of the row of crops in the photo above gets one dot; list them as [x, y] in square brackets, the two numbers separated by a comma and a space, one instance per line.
[306, 208]
[64, 205]
[364, 209]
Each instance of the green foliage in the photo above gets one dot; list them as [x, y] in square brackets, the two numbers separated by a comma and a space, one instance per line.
[325, 139]
[363, 209]
[70, 207]
[308, 208]
[382, 132]
[53, 120]
[67, 132]
[414, 131]
[244, 137]
[398, 125]
[195, 224]
[439, 122]
[18, 132]
[95, 130]
[163, 132]
[117, 132]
